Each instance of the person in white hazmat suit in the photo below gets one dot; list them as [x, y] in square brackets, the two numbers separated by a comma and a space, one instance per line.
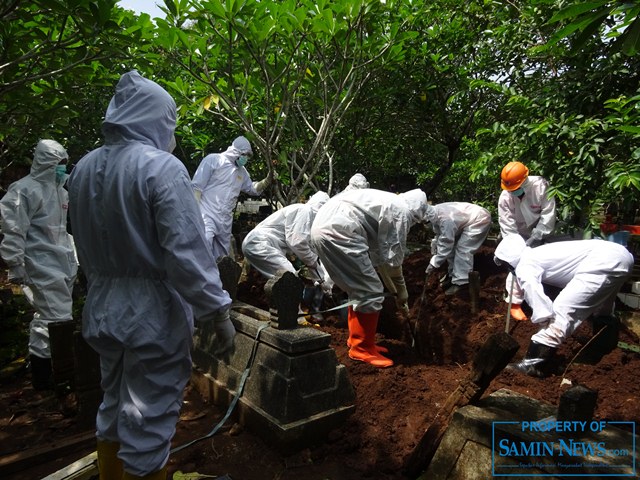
[460, 228]
[524, 208]
[39, 251]
[287, 232]
[356, 182]
[355, 232]
[217, 183]
[590, 274]
[141, 244]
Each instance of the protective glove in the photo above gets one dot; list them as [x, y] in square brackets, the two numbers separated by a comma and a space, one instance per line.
[434, 246]
[225, 331]
[223, 328]
[430, 269]
[263, 184]
[314, 271]
[17, 275]
[535, 239]
[394, 274]
[532, 242]
[198, 195]
[327, 286]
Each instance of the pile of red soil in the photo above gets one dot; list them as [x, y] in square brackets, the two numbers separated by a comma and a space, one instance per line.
[394, 406]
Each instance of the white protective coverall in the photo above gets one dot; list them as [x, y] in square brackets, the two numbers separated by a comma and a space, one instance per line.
[36, 246]
[286, 231]
[358, 230]
[532, 215]
[141, 243]
[218, 182]
[590, 273]
[460, 228]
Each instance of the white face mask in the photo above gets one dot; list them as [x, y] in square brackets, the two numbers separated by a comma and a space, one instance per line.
[241, 161]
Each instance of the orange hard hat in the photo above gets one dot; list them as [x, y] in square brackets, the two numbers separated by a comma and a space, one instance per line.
[513, 176]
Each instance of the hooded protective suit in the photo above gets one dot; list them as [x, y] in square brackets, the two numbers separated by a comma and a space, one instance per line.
[358, 230]
[36, 246]
[286, 231]
[356, 182]
[141, 243]
[460, 228]
[532, 215]
[590, 273]
[218, 182]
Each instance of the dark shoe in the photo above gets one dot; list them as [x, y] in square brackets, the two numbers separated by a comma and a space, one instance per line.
[41, 377]
[606, 330]
[453, 289]
[536, 361]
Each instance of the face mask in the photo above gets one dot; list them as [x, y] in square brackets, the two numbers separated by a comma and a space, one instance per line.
[172, 144]
[61, 171]
[518, 192]
[242, 160]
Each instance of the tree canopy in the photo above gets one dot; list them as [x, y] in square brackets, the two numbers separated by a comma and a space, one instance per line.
[432, 94]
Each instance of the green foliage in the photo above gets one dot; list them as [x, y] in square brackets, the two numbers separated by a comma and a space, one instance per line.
[610, 20]
[60, 63]
[282, 73]
[437, 94]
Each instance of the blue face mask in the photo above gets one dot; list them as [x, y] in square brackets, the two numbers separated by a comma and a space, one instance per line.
[61, 171]
[241, 161]
[518, 192]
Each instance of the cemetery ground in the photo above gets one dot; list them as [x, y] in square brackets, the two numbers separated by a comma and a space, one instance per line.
[394, 406]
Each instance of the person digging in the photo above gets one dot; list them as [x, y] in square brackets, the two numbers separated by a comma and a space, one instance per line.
[589, 273]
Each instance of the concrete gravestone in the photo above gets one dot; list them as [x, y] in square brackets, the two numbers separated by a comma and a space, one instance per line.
[295, 391]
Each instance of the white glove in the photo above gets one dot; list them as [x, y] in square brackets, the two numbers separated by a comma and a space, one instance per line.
[430, 269]
[327, 286]
[263, 184]
[17, 275]
[394, 274]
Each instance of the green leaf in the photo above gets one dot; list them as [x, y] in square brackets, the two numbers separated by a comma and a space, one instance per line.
[577, 25]
[191, 476]
[631, 44]
[629, 129]
[573, 11]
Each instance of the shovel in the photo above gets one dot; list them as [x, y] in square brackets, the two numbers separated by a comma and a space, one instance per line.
[513, 280]
[423, 299]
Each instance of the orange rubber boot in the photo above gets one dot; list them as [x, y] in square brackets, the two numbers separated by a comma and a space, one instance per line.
[351, 314]
[517, 313]
[362, 334]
